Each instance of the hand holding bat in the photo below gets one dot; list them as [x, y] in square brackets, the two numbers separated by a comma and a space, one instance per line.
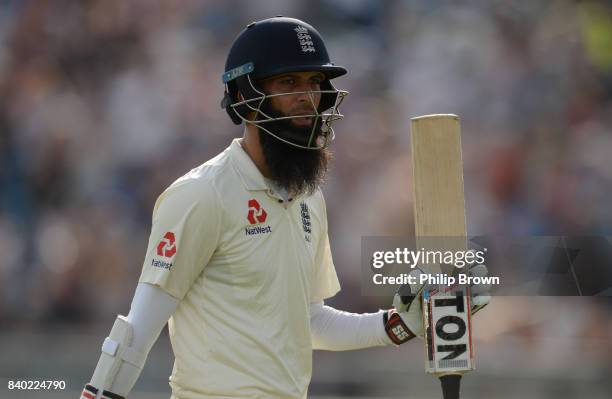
[407, 303]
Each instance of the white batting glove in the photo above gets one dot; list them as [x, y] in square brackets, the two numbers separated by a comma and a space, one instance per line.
[405, 320]
[480, 293]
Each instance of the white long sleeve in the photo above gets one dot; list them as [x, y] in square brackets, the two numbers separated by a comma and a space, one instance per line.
[335, 330]
[150, 310]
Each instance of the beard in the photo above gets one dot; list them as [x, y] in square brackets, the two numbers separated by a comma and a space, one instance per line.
[298, 170]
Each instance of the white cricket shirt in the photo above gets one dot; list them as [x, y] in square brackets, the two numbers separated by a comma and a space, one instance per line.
[245, 265]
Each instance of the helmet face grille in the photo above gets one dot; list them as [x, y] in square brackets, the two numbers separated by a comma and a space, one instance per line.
[257, 98]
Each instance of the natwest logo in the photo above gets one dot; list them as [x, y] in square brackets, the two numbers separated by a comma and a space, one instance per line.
[256, 213]
[167, 245]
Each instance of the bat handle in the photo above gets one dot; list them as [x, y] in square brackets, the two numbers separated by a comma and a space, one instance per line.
[451, 384]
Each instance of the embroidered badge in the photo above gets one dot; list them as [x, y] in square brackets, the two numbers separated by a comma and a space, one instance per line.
[305, 39]
[305, 220]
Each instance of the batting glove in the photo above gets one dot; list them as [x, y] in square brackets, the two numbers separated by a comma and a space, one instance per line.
[405, 320]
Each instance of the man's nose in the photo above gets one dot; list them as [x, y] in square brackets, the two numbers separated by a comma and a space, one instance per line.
[306, 95]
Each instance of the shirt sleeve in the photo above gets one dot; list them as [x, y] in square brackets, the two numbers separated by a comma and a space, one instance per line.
[184, 235]
[335, 330]
[326, 282]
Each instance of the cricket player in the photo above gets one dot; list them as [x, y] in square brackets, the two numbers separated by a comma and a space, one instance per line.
[238, 261]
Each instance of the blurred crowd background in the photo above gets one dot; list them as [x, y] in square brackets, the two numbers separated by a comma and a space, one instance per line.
[104, 103]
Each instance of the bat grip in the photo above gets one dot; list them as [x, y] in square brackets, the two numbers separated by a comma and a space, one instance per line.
[451, 384]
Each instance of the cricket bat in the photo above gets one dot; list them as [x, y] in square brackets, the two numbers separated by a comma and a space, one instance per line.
[440, 224]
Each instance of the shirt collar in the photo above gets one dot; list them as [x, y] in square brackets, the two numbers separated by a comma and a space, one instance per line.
[245, 167]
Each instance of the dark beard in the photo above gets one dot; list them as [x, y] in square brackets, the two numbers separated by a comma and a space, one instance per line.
[297, 170]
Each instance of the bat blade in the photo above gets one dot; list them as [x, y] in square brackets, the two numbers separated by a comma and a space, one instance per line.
[440, 224]
[437, 168]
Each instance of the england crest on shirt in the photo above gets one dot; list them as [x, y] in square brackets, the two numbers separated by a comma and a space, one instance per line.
[306, 225]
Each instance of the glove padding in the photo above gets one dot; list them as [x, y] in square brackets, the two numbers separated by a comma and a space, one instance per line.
[407, 303]
[91, 392]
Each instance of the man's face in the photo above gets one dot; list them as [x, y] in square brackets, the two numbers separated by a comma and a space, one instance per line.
[296, 169]
[305, 103]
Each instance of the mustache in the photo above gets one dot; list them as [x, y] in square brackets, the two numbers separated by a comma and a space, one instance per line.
[300, 110]
[288, 129]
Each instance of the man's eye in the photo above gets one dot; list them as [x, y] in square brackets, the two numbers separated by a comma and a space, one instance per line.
[289, 81]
